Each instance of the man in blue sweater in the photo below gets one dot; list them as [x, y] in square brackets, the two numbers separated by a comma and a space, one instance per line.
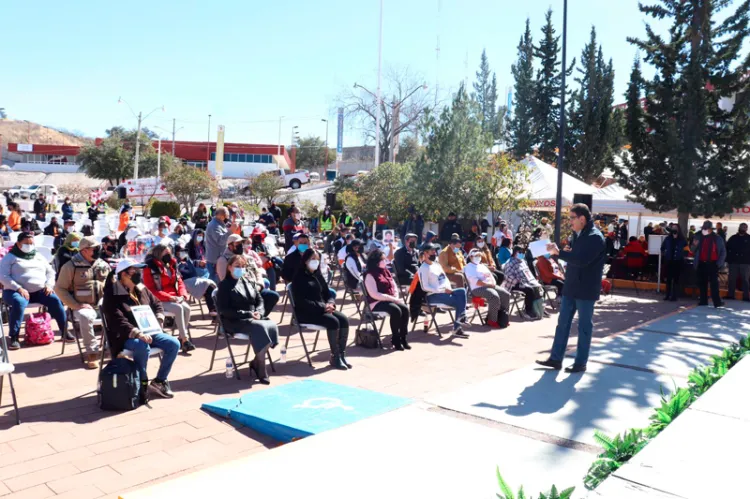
[585, 263]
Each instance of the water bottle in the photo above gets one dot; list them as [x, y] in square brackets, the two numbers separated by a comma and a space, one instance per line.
[230, 369]
[283, 354]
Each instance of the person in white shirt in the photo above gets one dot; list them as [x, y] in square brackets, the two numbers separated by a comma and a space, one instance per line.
[435, 283]
[353, 264]
[484, 285]
[382, 295]
[344, 251]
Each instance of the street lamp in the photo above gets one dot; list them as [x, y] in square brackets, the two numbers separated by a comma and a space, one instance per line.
[141, 118]
[174, 132]
[325, 160]
[561, 143]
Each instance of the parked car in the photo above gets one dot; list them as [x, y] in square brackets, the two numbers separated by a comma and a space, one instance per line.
[33, 191]
[15, 191]
[293, 180]
[315, 177]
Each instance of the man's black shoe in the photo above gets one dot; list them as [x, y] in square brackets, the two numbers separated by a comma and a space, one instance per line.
[553, 364]
[720, 305]
[575, 369]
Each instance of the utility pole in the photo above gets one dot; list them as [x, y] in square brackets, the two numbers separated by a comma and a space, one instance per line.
[278, 151]
[158, 161]
[377, 120]
[326, 158]
[174, 132]
[208, 143]
[561, 143]
[137, 147]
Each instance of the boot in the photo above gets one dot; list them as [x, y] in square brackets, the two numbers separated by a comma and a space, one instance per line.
[91, 360]
[335, 361]
[396, 340]
[403, 341]
[343, 339]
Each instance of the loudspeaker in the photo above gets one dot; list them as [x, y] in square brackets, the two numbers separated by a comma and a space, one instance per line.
[586, 199]
[122, 193]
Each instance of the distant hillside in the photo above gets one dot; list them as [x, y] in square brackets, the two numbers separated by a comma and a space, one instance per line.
[22, 132]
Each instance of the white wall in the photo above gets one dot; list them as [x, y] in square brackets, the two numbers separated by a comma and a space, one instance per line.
[45, 168]
[236, 169]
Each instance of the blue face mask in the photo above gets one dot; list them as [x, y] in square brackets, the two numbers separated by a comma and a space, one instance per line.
[547, 256]
[74, 244]
[302, 248]
[238, 272]
[457, 250]
[520, 256]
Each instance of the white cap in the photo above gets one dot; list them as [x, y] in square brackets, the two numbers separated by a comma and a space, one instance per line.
[126, 263]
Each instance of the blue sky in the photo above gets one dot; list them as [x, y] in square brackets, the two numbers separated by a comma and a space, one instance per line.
[247, 62]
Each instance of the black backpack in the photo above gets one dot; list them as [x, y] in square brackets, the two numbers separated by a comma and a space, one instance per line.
[121, 387]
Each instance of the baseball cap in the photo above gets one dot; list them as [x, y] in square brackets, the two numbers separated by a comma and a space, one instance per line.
[234, 238]
[88, 242]
[126, 263]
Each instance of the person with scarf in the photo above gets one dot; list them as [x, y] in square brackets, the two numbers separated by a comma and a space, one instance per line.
[382, 295]
[67, 250]
[27, 277]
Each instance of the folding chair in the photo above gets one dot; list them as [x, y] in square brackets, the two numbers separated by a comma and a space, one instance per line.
[353, 293]
[300, 327]
[547, 289]
[368, 315]
[76, 327]
[635, 264]
[477, 302]
[6, 369]
[220, 331]
[517, 301]
[128, 353]
[432, 310]
[404, 294]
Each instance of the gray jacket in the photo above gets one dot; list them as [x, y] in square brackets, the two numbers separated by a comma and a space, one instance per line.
[216, 240]
[31, 275]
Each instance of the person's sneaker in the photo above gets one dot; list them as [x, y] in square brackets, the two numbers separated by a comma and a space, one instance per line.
[187, 346]
[91, 361]
[212, 314]
[526, 316]
[546, 314]
[14, 345]
[68, 337]
[720, 305]
[552, 364]
[458, 332]
[161, 388]
[464, 320]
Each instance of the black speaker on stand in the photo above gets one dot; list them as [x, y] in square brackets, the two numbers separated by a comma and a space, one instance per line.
[586, 199]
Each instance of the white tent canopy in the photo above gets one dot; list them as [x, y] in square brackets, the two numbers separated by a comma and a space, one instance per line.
[543, 185]
[613, 199]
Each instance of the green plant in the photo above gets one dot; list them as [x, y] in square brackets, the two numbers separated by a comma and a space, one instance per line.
[162, 208]
[507, 493]
[617, 451]
[671, 406]
[115, 202]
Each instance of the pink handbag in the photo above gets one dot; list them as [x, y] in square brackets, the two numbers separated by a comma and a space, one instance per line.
[39, 329]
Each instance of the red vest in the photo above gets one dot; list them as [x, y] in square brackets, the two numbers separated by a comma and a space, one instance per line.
[384, 282]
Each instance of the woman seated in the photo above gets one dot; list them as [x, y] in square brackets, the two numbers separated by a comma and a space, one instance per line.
[4, 229]
[484, 251]
[382, 295]
[353, 265]
[313, 304]
[503, 254]
[484, 285]
[241, 309]
[123, 291]
[550, 272]
[67, 250]
[196, 279]
[162, 278]
[53, 229]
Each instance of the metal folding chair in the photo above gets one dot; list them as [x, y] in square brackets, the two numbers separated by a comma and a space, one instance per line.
[475, 304]
[220, 331]
[432, 310]
[517, 301]
[300, 327]
[369, 316]
[76, 331]
[6, 369]
[548, 289]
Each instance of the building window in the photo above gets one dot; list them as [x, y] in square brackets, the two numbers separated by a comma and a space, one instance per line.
[226, 157]
[213, 156]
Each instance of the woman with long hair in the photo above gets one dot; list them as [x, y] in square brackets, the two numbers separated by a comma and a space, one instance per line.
[382, 295]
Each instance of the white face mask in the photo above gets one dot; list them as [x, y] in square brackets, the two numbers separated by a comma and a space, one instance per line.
[313, 265]
[477, 260]
[706, 232]
[27, 248]
[480, 244]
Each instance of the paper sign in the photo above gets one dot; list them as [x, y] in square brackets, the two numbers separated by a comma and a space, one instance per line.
[146, 319]
[538, 248]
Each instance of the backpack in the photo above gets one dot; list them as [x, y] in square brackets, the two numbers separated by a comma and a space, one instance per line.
[367, 338]
[39, 329]
[121, 387]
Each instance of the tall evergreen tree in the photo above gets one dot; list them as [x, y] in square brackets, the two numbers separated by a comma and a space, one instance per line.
[485, 93]
[521, 132]
[691, 151]
[593, 133]
[490, 123]
[547, 104]
[635, 129]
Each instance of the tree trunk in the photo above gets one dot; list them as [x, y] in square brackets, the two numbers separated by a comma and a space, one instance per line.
[682, 221]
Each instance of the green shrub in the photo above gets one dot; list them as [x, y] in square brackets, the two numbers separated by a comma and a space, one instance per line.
[284, 207]
[507, 493]
[671, 407]
[162, 208]
[115, 202]
[617, 451]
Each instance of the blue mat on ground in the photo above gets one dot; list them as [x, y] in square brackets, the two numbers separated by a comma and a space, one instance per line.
[304, 408]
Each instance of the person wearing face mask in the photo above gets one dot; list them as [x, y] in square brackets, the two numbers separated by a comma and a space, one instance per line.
[519, 277]
[435, 283]
[68, 249]
[27, 277]
[673, 256]
[327, 220]
[353, 264]
[80, 286]
[450, 228]
[710, 255]
[217, 235]
[109, 249]
[196, 279]
[291, 226]
[483, 284]
[343, 250]
[382, 295]
[406, 260]
[53, 229]
[484, 251]
[550, 272]
[360, 230]
[242, 312]
[123, 290]
[14, 217]
[266, 217]
[236, 246]
[452, 260]
[67, 209]
[293, 261]
[163, 279]
[313, 304]
[40, 208]
[738, 258]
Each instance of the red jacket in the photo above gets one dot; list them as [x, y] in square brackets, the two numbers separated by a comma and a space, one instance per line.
[163, 285]
[634, 247]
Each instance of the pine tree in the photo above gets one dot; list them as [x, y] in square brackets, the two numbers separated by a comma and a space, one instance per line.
[547, 105]
[593, 134]
[635, 129]
[490, 123]
[485, 93]
[691, 151]
[521, 132]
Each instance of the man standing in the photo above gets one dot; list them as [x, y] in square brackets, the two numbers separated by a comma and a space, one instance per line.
[40, 208]
[710, 254]
[80, 285]
[585, 259]
[624, 233]
[738, 258]
[291, 226]
[450, 227]
[217, 234]
[275, 211]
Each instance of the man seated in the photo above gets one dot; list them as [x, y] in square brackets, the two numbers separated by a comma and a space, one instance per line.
[435, 283]
[452, 260]
[109, 248]
[80, 285]
[123, 290]
[27, 277]
[519, 277]
[292, 261]
[406, 260]
[550, 272]
[53, 229]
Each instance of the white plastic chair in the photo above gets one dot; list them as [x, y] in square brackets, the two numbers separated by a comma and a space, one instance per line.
[45, 241]
[6, 369]
[45, 252]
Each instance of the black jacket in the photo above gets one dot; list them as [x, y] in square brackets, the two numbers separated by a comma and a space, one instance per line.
[292, 263]
[40, 208]
[406, 263]
[450, 227]
[738, 249]
[117, 307]
[237, 300]
[673, 249]
[50, 230]
[311, 294]
[583, 276]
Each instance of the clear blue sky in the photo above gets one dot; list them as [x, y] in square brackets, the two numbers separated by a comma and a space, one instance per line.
[248, 62]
